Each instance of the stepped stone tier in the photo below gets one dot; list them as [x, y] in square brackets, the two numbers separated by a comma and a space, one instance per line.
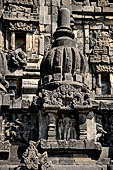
[56, 85]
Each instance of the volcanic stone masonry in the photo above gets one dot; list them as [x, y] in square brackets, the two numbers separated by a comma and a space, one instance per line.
[56, 84]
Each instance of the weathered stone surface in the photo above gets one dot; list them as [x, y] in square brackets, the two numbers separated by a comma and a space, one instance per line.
[56, 84]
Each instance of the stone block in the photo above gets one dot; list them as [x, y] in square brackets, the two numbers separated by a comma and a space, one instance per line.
[57, 77]
[110, 4]
[41, 28]
[108, 9]
[76, 167]
[54, 10]
[29, 83]
[1, 4]
[54, 27]
[93, 4]
[43, 10]
[1, 99]
[13, 154]
[98, 9]
[48, 3]
[51, 133]
[6, 100]
[56, 3]
[105, 167]
[77, 77]
[41, 19]
[47, 79]
[65, 2]
[77, 8]
[88, 9]
[47, 29]
[41, 44]
[95, 59]
[47, 19]
[68, 76]
[66, 161]
[105, 58]
[54, 18]
[41, 2]
[16, 103]
[4, 167]
[98, 91]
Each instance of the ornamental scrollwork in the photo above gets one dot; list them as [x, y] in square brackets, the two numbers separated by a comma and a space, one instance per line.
[66, 96]
[20, 26]
[33, 158]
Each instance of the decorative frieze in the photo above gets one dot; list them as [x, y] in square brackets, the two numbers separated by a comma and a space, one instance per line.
[20, 26]
[104, 68]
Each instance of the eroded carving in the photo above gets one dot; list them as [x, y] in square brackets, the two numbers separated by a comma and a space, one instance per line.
[20, 26]
[33, 158]
[19, 130]
[67, 128]
[17, 59]
[66, 96]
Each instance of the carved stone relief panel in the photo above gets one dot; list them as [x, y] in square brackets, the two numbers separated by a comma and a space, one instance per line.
[19, 128]
[101, 43]
[103, 2]
[67, 126]
[20, 26]
[66, 96]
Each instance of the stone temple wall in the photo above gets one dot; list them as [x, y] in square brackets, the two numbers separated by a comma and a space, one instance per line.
[56, 84]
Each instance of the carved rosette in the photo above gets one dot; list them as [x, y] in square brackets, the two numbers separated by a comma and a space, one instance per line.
[66, 96]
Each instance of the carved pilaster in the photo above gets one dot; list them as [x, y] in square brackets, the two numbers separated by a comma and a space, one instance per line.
[28, 42]
[51, 126]
[13, 40]
[98, 88]
[1, 37]
[91, 126]
[82, 126]
[7, 39]
[111, 82]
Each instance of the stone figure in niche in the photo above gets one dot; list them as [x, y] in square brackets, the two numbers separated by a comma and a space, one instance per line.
[73, 134]
[3, 70]
[99, 128]
[60, 128]
[66, 128]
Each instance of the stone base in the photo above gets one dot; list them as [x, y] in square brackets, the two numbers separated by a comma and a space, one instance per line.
[76, 167]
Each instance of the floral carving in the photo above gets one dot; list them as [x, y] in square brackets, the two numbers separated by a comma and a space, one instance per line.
[33, 158]
[66, 96]
[20, 26]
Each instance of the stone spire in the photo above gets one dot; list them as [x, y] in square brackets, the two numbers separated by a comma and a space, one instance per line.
[64, 60]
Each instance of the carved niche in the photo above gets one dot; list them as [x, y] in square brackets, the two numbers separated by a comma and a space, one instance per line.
[67, 127]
